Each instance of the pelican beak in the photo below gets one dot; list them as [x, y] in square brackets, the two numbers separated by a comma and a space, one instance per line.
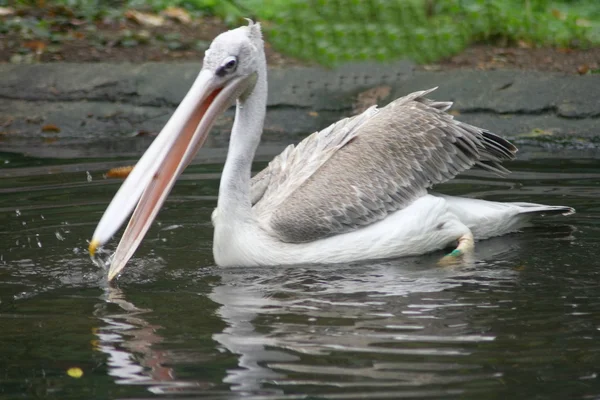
[154, 175]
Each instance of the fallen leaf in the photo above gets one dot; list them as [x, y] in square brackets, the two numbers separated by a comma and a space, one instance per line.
[36, 45]
[119, 172]
[50, 128]
[313, 113]
[143, 18]
[4, 11]
[583, 69]
[178, 14]
[75, 372]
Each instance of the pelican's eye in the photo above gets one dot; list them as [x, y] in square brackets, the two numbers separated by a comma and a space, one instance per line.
[228, 66]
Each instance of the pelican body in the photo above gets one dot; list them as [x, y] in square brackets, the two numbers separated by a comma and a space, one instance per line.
[357, 190]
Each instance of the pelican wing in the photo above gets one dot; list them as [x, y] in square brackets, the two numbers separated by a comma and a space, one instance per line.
[361, 169]
[290, 169]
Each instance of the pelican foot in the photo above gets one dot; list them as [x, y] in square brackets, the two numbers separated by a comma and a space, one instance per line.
[465, 248]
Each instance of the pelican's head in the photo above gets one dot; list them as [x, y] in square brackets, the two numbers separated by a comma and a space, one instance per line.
[230, 71]
[238, 52]
[234, 59]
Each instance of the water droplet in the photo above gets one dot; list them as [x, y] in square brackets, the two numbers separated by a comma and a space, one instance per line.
[20, 295]
[171, 227]
[88, 176]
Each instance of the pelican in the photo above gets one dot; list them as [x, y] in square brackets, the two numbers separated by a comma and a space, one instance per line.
[357, 190]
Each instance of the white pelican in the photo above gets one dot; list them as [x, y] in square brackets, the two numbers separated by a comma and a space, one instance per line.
[356, 190]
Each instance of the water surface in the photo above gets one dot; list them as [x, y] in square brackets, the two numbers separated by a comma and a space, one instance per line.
[521, 323]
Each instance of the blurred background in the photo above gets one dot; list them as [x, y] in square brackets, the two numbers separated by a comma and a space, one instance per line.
[558, 35]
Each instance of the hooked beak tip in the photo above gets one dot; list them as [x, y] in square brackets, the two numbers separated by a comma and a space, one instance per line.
[94, 244]
[111, 274]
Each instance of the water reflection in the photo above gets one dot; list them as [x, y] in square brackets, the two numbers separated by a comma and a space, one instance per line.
[277, 323]
[130, 342]
[282, 322]
[389, 325]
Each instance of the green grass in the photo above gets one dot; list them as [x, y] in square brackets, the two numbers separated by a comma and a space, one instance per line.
[422, 30]
[334, 31]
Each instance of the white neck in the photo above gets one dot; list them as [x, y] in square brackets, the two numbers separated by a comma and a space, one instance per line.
[234, 192]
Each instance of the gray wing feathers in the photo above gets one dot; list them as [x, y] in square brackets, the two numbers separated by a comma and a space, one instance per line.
[295, 164]
[361, 169]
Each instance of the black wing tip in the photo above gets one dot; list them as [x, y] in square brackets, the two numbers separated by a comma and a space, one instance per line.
[496, 146]
[491, 138]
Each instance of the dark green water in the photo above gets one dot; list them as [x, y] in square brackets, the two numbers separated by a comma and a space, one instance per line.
[522, 323]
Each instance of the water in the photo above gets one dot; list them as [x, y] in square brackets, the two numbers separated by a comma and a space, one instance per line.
[521, 323]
